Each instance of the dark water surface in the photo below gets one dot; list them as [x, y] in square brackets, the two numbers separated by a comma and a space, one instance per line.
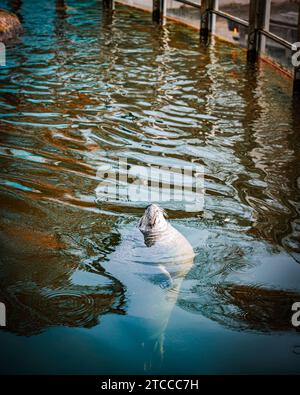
[81, 90]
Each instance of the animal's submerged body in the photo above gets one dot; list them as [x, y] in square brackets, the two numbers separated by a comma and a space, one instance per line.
[151, 263]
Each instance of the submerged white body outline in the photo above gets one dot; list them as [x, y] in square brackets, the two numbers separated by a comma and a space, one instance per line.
[151, 265]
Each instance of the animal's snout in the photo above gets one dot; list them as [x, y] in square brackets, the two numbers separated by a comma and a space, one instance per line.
[153, 218]
[152, 210]
[153, 206]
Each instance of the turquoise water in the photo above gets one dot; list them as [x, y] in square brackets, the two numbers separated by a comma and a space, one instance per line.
[82, 89]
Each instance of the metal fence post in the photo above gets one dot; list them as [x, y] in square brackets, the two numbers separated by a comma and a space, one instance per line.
[263, 23]
[2, 314]
[259, 18]
[159, 10]
[214, 5]
[296, 85]
[207, 18]
[109, 4]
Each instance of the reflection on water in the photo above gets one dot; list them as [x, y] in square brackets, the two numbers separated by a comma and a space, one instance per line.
[82, 89]
[42, 284]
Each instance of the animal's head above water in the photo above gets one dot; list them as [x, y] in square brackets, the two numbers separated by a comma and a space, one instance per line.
[153, 220]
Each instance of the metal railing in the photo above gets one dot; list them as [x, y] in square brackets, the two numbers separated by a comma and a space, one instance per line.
[277, 39]
[209, 7]
[190, 3]
[257, 26]
[242, 22]
[230, 17]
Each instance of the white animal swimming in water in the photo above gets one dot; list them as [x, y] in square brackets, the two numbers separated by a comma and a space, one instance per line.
[170, 250]
[151, 265]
